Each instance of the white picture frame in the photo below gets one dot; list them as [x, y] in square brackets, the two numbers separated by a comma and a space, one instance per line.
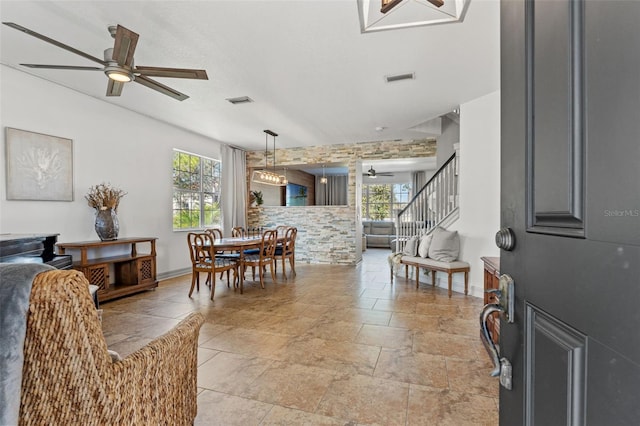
[39, 167]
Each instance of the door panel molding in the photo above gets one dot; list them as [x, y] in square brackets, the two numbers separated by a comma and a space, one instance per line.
[555, 117]
[554, 383]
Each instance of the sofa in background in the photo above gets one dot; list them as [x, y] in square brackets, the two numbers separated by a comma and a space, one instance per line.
[379, 233]
[382, 233]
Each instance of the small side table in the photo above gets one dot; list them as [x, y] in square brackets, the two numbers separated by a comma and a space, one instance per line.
[491, 281]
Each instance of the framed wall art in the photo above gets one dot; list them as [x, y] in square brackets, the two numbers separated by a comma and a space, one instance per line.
[39, 167]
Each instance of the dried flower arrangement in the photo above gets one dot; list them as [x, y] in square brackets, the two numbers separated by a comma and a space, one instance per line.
[104, 196]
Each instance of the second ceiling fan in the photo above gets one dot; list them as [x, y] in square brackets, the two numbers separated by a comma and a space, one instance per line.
[118, 63]
[373, 174]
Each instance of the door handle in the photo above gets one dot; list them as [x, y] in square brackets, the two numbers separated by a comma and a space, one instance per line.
[485, 336]
[506, 298]
[505, 239]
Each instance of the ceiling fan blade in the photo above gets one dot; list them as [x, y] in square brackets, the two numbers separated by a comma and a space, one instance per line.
[62, 67]
[114, 88]
[54, 42]
[166, 90]
[124, 46]
[172, 72]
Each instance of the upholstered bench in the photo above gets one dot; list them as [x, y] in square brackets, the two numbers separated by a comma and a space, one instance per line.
[434, 266]
[437, 251]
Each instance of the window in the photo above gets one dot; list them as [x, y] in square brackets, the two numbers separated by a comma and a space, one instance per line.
[196, 191]
[384, 202]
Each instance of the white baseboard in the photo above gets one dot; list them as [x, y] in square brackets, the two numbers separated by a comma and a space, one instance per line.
[172, 274]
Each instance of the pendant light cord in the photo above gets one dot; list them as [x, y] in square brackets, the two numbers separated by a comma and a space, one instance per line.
[266, 151]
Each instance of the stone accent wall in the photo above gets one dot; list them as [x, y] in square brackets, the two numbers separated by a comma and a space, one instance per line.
[326, 234]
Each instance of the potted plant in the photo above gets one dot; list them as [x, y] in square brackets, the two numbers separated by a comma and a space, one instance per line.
[257, 197]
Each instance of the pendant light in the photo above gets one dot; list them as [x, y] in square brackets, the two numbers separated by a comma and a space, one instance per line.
[323, 179]
[265, 176]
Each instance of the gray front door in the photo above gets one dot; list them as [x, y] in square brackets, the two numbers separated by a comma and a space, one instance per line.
[570, 162]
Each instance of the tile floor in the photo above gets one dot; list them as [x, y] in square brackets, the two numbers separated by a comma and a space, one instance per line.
[336, 345]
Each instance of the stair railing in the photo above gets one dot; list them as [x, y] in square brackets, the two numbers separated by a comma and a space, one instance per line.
[436, 201]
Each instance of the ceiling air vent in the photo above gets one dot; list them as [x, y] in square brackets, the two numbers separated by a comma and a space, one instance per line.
[398, 77]
[240, 100]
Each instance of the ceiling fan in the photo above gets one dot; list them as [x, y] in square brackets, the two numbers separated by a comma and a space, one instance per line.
[118, 63]
[373, 174]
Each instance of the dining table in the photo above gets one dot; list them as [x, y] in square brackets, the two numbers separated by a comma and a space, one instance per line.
[239, 244]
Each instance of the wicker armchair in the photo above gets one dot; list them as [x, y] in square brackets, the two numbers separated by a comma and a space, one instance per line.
[69, 377]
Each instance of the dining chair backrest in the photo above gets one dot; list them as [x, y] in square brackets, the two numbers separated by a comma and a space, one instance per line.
[201, 249]
[289, 241]
[237, 232]
[191, 236]
[269, 240]
[286, 250]
[281, 230]
[216, 233]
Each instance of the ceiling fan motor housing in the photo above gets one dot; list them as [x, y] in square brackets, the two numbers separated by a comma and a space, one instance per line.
[115, 71]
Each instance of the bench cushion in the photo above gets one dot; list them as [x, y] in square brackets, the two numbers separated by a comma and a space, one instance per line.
[425, 263]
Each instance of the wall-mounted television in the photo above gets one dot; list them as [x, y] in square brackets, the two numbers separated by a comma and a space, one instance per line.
[296, 195]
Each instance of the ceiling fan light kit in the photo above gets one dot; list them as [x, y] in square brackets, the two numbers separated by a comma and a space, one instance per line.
[117, 73]
[118, 63]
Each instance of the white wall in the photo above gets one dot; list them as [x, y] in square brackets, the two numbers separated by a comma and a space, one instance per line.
[450, 135]
[110, 144]
[479, 186]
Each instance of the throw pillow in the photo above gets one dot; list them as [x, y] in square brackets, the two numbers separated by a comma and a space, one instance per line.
[423, 247]
[411, 247]
[445, 245]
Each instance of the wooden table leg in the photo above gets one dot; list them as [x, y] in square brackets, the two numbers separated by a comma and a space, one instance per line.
[241, 271]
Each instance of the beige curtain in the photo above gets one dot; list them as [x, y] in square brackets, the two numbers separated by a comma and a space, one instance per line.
[418, 180]
[333, 193]
[233, 193]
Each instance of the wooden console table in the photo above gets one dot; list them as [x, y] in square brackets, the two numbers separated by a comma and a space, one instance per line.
[491, 281]
[134, 272]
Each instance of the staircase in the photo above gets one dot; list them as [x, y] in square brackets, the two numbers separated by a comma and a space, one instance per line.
[436, 204]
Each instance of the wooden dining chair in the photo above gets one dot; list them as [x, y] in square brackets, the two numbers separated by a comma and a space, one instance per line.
[237, 232]
[263, 258]
[204, 259]
[281, 230]
[216, 233]
[286, 250]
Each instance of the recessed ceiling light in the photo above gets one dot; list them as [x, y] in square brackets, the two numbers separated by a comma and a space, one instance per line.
[240, 100]
[380, 128]
[398, 77]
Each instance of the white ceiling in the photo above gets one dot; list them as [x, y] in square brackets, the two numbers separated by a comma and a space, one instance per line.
[314, 77]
